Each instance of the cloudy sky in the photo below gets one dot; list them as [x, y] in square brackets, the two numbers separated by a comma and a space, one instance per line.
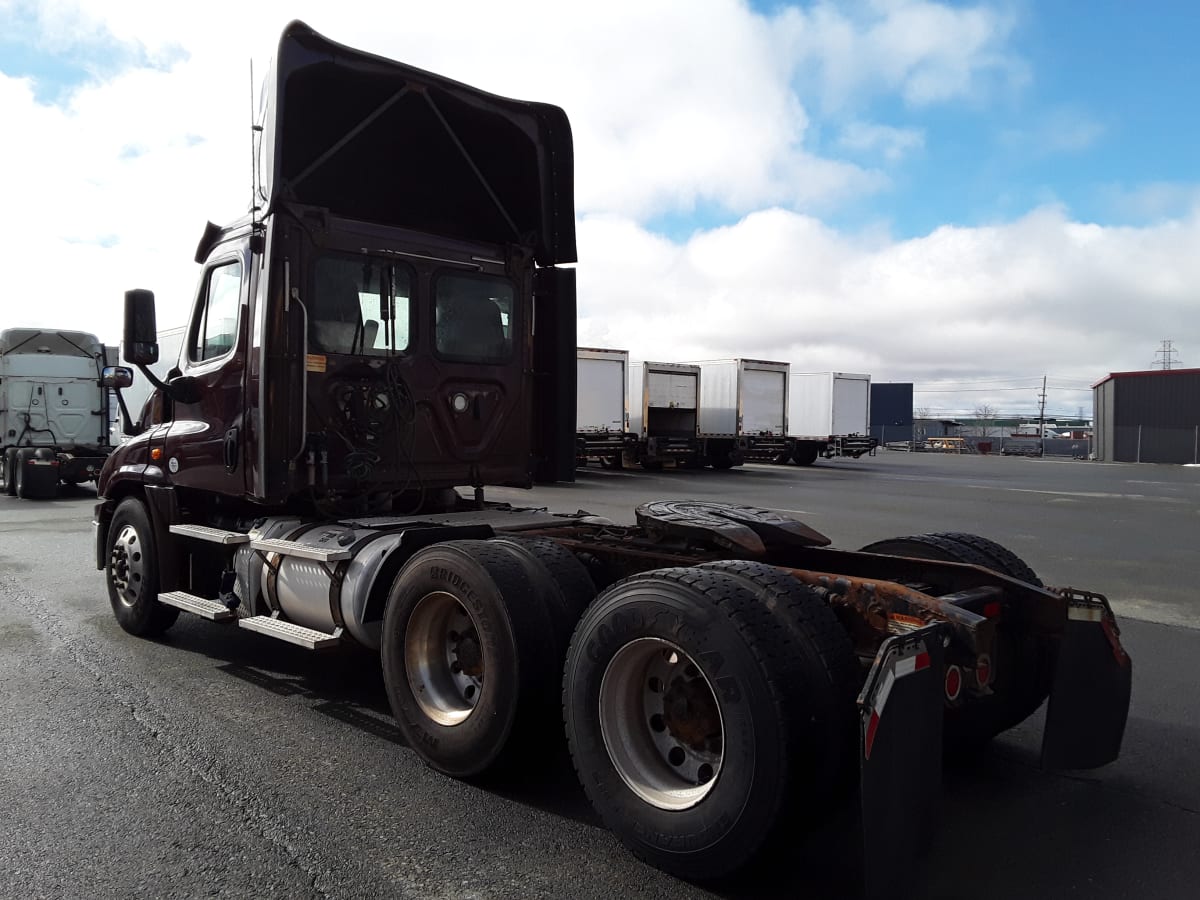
[967, 195]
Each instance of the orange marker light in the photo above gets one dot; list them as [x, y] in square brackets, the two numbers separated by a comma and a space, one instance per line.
[156, 453]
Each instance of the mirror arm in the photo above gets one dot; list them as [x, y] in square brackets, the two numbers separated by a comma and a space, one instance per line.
[128, 426]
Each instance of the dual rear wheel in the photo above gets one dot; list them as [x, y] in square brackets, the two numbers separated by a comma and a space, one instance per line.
[707, 709]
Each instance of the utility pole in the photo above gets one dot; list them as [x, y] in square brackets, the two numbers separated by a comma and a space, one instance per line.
[1168, 356]
[1042, 420]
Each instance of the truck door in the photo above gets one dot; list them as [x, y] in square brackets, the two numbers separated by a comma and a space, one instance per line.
[204, 446]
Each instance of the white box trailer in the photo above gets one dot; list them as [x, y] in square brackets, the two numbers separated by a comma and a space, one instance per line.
[664, 406]
[745, 400]
[602, 405]
[54, 413]
[829, 415]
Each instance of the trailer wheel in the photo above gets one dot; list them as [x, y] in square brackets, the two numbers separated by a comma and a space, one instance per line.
[679, 695]
[611, 462]
[806, 453]
[831, 675]
[1024, 664]
[131, 571]
[10, 472]
[464, 654]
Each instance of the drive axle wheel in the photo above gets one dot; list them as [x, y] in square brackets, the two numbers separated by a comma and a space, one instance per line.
[661, 723]
[466, 663]
[684, 707]
[1023, 670]
[132, 573]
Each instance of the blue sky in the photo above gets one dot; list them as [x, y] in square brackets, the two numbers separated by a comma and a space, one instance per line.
[965, 195]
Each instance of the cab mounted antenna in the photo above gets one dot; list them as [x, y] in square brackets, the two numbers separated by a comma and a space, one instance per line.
[255, 130]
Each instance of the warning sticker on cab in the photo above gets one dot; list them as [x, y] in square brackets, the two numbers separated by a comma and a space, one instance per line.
[314, 362]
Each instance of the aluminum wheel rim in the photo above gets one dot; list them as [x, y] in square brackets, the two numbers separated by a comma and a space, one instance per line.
[444, 658]
[128, 566]
[661, 724]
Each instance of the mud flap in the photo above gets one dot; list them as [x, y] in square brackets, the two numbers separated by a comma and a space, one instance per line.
[1089, 700]
[901, 709]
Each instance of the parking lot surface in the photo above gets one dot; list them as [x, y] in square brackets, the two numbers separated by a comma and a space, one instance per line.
[219, 763]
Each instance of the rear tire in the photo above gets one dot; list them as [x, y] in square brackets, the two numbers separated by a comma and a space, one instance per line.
[1024, 664]
[805, 454]
[132, 573]
[832, 675]
[465, 661]
[684, 721]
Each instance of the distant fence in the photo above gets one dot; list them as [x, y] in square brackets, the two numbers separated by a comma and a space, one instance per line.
[1155, 444]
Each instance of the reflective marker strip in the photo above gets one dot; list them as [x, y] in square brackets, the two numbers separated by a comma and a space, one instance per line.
[899, 669]
[1085, 613]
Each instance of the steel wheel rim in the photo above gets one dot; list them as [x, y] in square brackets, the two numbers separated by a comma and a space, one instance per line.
[661, 724]
[444, 658]
[128, 566]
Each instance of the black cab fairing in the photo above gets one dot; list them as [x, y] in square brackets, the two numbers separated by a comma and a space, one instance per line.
[378, 141]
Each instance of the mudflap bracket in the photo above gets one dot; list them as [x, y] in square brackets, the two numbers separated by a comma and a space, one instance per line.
[901, 710]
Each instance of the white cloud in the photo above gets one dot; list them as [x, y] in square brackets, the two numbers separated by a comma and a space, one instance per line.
[926, 52]
[890, 142]
[1041, 294]
[110, 188]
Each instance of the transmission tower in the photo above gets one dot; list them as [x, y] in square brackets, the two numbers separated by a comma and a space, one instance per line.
[1168, 356]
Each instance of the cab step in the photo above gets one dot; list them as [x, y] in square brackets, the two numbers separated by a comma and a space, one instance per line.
[205, 533]
[205, 609]
[304, 551]
[308, 638]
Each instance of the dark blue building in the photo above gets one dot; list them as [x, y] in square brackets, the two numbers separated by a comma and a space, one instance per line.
[891, 411]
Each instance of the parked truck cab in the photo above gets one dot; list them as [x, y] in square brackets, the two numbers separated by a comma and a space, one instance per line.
[393, 322]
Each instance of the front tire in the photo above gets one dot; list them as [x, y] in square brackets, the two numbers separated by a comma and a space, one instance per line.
[132, 573]
[10, 472]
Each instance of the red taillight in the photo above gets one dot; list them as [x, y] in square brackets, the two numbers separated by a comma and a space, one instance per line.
[953, 682]
[992, 610]
[983, 670]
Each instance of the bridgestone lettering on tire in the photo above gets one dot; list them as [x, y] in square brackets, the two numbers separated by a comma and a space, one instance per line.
[1023, 670]
[465, 659]
[131, 570]
[678, 696]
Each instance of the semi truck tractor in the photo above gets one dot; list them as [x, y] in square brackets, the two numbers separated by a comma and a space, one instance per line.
[54, 412]
[744, 402]
[602, 406]
[829, 415]
[389, 332]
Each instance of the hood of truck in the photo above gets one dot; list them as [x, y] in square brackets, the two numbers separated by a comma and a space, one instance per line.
[378, 141]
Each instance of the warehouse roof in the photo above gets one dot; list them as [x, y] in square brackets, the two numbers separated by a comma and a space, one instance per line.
[1113, 375]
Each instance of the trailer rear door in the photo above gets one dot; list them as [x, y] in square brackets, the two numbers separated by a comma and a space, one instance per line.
[764, 403]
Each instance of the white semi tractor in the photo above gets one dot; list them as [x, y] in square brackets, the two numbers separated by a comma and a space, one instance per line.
[54, 413]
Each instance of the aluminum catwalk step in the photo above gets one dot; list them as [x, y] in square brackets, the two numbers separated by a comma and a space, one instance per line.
[206, 609]
[308, 638]
[304, 551]
[216, 535]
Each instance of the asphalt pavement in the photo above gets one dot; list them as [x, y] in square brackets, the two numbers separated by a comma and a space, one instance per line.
[216, 762]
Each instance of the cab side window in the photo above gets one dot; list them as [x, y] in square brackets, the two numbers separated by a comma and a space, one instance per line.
[215, 329]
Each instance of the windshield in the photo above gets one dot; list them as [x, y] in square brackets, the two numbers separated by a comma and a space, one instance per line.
[474, 318]
[359, 306]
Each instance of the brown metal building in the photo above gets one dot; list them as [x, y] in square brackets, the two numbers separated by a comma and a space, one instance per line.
[1151, 416]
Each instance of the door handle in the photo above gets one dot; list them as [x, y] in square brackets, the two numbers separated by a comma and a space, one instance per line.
[231, 449]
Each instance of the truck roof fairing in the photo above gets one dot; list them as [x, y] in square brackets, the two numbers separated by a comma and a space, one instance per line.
[376, 140]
